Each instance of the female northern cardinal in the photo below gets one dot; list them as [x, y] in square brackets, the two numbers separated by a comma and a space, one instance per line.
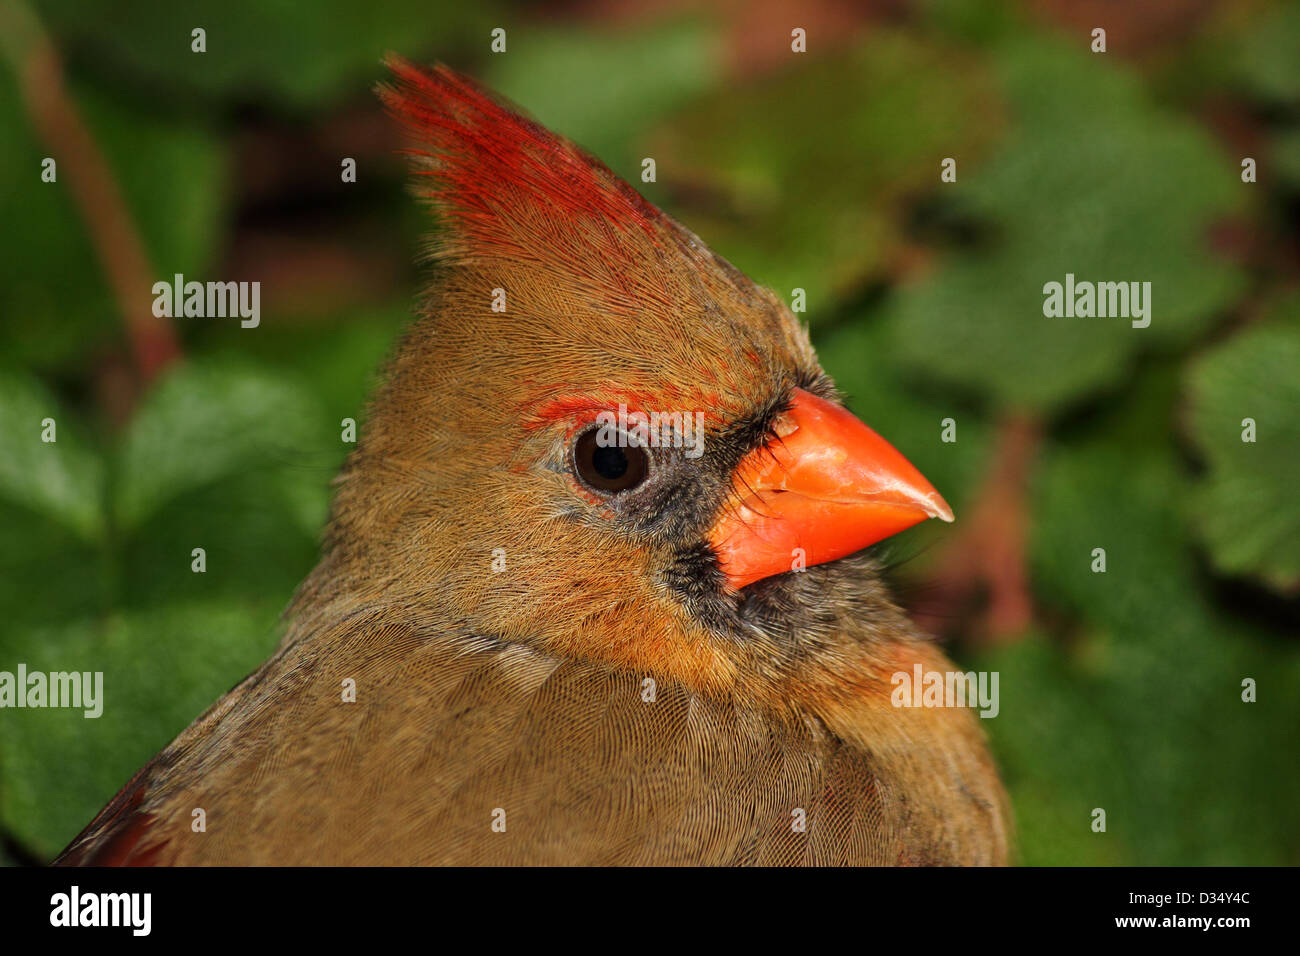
[543, 634]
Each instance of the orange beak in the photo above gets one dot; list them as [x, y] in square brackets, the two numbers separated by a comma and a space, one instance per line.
[826, 486]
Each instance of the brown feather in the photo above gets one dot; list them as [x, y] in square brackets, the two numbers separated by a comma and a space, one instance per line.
[523, 690]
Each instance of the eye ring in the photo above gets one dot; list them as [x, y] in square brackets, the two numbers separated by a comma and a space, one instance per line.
[610, 468]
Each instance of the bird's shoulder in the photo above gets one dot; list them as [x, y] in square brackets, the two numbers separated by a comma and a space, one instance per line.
[402, 742]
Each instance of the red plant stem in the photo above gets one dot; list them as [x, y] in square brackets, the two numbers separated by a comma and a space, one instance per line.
[114, 235]
[991, 549]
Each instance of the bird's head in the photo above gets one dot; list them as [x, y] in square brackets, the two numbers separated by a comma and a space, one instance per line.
[601, 438]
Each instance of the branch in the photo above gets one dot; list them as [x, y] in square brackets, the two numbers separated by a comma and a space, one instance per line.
[114, 235]
[989, 554]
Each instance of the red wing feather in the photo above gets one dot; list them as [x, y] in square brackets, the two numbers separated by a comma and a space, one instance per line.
[114, 837]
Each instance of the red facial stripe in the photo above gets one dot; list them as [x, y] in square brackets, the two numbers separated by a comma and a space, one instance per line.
[578, 409]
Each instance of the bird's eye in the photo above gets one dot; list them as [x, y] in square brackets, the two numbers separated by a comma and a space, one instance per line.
[609, 466]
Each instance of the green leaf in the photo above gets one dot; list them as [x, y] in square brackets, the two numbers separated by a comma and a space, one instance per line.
[273, 50]
[1266, 55]
[800, 177]
[173, 177]
[1136, 707]
[161, 669]
[61, 479]
[204, 422]
[1286, 155]
[1048, 751]
[258, 528]
[56, 302]
[576, 81]
[48, 573]
[1246, 509]
[1094, 181]
[340, 360]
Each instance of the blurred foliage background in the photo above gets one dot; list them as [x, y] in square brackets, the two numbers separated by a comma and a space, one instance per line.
[819, 171]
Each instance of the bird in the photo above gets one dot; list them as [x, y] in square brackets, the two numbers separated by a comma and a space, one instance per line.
[597, 586]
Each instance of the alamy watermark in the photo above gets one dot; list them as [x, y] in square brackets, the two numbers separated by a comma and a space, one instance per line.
[652, 430]
[216, 300]
[128, 910]
[1084, 300]
[77, 689]
[922, 688]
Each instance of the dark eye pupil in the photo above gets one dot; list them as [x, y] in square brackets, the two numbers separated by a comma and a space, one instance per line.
[609, 468]
[610, 463]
